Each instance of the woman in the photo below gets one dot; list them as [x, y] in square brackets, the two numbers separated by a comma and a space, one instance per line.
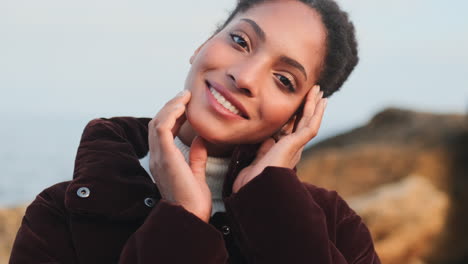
[221, 154]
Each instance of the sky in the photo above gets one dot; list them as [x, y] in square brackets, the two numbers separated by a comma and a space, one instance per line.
[108, 58]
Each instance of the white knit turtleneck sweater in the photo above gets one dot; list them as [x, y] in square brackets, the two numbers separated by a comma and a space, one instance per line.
[216, 169]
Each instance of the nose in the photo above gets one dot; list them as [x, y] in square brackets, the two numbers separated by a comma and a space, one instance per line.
[242, 88]
[247, 76]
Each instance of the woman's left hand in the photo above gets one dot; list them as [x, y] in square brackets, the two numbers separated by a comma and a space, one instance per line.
[286, 152]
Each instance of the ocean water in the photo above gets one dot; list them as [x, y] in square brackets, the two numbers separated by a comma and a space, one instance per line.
[35, 153]
[38, 152]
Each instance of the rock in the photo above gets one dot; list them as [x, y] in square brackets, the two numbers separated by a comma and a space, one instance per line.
[401, 230]
[394, 145]
[10, 220]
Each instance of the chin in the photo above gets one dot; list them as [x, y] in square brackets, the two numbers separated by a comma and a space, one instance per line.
[207, 132]
[213, 131]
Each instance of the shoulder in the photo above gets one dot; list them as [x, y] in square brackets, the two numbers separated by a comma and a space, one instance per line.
[53, 195]
[330, 201]
[345, 227]
[124, 126]
[44, 233]
[337, 211]
[132, 129]
[107, 163]
[49, 204]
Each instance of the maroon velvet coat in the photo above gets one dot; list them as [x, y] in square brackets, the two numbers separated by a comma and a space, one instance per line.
[111, 212]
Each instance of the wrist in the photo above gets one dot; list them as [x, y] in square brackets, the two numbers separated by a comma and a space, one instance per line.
[204, 216]
[203, 213]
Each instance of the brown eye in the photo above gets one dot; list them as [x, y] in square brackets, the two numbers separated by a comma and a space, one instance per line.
[286, 82]
[240, 41]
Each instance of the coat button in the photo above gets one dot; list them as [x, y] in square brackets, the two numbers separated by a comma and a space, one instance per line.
[83, 192]
[149, 202]
[226, 230]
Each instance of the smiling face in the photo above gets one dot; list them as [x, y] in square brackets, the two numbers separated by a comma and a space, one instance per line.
[251, 77]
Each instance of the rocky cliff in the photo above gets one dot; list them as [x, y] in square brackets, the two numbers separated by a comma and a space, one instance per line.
[10, 219]
[405, 173]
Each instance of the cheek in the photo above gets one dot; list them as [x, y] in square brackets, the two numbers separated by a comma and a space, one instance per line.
[190, 113]
[210, 57]
[276, 114]
[214, 54]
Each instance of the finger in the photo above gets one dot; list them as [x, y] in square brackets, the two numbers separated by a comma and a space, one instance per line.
[163, 127]
[182, 97]
[309, 106]
[163, 118]
[319, 96]
[197, 158]
[166, 120]
[316, 120]
[298, 117]
[178, 123]
[310, 129]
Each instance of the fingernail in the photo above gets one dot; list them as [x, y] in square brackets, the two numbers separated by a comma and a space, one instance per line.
[182, 93]
[321, 94]
[317, 89]
[325, 102]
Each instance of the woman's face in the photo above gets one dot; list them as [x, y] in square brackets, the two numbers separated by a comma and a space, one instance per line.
[248, 80]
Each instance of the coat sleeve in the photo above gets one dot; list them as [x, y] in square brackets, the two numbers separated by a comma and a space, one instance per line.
[170, 233]
[278, 220]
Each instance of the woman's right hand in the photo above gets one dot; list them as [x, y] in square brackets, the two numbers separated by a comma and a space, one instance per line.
[177, 181]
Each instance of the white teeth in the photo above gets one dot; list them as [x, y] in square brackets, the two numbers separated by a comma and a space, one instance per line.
[224, 102]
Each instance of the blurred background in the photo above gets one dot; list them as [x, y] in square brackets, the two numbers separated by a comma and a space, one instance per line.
[63, 63]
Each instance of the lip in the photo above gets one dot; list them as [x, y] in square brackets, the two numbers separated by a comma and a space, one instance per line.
[226, 94]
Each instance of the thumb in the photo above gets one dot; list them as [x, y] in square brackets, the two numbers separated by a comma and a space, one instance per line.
[197, 158]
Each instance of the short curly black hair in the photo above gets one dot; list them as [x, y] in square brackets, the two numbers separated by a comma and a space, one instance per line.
[341, 52]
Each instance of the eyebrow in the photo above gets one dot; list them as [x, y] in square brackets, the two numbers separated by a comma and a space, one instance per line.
[261, 34]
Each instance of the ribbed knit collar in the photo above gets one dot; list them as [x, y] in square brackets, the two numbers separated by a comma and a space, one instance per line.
[216, 169]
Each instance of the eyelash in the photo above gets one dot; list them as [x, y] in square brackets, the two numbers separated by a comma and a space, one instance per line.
[290, 83]
[236, 35]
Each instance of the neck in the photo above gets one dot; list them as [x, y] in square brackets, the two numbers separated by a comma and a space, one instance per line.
[187, 134]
